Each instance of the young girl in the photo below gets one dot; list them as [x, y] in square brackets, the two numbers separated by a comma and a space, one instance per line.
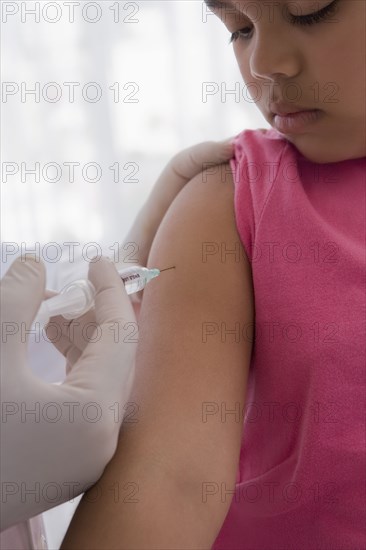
[248, 419]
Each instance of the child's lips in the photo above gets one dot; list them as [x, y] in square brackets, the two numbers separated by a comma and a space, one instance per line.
[284, 109]
[295, 122]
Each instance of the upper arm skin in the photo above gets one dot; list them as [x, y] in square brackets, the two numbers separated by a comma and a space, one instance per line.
[179, 367]
[178, 372]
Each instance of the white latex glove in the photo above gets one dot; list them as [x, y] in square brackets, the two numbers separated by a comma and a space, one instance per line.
[183, 167]
[54, 454]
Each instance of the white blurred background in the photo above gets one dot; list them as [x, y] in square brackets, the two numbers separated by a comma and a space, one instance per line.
[150, 62]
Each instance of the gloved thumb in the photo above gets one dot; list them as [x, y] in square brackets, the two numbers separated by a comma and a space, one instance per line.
[111, 300]
[107, 359]
[114, 315]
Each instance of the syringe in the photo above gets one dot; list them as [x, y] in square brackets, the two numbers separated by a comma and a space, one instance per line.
[78, 297]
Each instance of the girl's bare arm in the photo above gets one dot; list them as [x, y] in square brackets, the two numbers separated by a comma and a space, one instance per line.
[168, 484]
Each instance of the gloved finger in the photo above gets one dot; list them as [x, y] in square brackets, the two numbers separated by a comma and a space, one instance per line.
[68, 334]
[111, 300]
[61, 333]
[113, 312]
[72, 356]
[22, 291]
[62, 343]
[79, 330]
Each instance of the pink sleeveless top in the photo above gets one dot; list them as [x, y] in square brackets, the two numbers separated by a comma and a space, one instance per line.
[302, 472]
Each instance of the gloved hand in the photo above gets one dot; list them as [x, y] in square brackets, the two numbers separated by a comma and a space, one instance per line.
[57, 439]
[183, 167]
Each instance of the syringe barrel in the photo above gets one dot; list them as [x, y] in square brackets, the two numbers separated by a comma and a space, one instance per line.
[78, 297]
[134, 278]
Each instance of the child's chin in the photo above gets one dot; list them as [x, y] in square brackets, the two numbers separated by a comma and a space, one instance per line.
[309, 148]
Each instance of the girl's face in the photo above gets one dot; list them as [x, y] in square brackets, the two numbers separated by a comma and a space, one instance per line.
[287, 56]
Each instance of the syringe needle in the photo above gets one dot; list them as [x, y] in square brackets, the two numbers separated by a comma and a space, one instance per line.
[161, 270]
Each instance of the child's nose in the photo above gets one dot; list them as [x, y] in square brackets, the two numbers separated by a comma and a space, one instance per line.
[273, 57]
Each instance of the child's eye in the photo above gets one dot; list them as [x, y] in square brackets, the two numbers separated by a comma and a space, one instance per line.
[309, 19]
[239, 34]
